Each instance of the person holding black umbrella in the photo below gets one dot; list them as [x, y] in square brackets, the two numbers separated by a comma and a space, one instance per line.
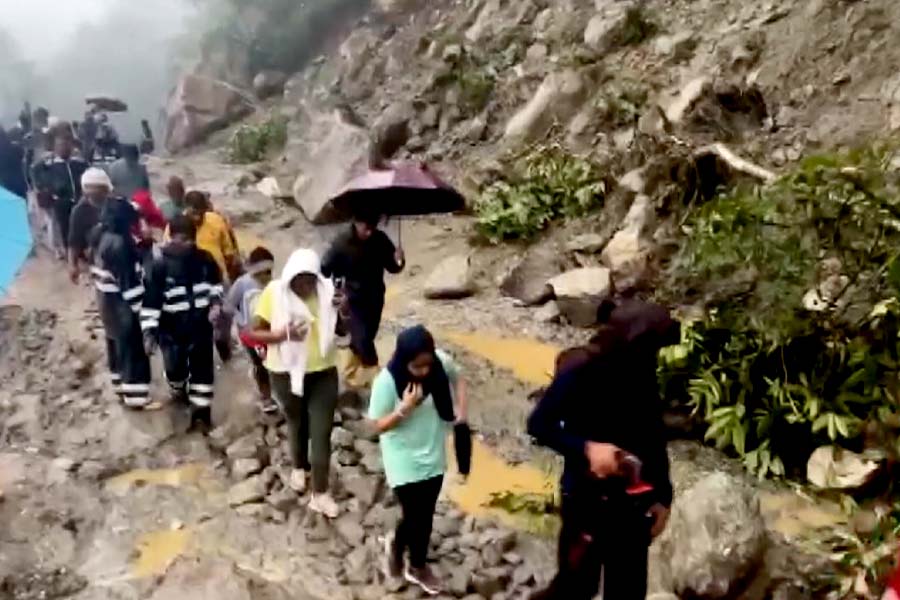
[411, 406]
[359, 257]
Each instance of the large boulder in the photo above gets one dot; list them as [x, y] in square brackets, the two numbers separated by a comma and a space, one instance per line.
[451, 279]
[604, 30]
[198, 107]
[716, 540]
[557, 99]
[580, 292]
[527, 280]
[341, 153]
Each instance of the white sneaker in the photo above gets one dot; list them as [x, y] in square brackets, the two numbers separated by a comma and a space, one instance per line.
[298, 481]
[325, 505]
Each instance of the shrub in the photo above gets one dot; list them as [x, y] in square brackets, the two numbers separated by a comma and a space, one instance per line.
[552, 185]
[253, 143]
[770, 379]
[638, 27]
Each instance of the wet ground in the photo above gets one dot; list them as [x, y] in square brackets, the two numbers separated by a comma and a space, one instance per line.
[98, 503]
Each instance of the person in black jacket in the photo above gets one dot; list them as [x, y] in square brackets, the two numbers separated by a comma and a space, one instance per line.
[359, 257]
[604, 415]
[58, 181]
[118, 277]
[183, 299]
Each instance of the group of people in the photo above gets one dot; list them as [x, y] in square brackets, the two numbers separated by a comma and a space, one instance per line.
[183, 289]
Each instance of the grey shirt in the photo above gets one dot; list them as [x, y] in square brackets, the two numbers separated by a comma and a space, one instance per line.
[237, 301]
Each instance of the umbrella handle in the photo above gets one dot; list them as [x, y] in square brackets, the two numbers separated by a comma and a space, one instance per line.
[400, 232]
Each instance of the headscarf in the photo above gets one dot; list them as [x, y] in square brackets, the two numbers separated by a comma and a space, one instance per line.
[95, 176]
[411, 343]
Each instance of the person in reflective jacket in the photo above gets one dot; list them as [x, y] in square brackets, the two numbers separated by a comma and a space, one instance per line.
[118, 277]
[183, 299]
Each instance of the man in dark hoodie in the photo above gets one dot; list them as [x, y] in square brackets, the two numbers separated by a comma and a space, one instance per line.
[183, 299]
[359, 257]
[117, 276]
[604, 415]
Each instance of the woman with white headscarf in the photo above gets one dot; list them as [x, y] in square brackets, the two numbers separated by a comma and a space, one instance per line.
[296, 317]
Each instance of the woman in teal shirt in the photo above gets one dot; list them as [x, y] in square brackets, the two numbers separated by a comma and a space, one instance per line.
[412, 406]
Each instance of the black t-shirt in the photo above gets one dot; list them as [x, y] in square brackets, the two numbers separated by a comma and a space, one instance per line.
[85, 218]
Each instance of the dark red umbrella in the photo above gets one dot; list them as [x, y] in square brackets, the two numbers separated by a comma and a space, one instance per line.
[404, 189]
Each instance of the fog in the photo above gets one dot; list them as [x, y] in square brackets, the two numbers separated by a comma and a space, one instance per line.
[55, 52]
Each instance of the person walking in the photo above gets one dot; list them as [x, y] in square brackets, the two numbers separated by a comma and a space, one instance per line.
[85, 217]
[410, 407]
[174, 205]
[117, 275]
[183, 298]
[602, 413]
[11, 175]
[297, 317]
[128, 175]
[359, 257]
[239, 304]
[58, 181]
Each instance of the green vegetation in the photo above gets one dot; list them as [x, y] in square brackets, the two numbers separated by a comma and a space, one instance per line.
[473, 80]
[623, 106]
[861, 562]
[253, 143]
[770, 379]
[638, 27]
[550, 184]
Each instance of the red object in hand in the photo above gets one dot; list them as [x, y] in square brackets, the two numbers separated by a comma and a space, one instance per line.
[148, 210]
[248, 340]
[894, 582]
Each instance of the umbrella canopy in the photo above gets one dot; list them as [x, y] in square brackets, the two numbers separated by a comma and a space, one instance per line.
[405, 189]
[107, 103]
[15, 237]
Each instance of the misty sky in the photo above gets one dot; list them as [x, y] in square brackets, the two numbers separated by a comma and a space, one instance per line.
[43, 26]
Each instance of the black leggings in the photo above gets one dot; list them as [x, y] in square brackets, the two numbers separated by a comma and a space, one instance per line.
[600, 537]
[417, 501]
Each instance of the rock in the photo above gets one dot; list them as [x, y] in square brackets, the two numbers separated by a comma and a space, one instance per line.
[198, 107]
[459, 582]
[342, 152]
[474, 129]
[284, 500]
[716, 536]
[839, 469]
[483, 25]
[268, 83]
[679, 46]
[522, 576]
[604, 31]
[347, 458]
[244, 467]
[341, 438]
[255, 510]
[357, 564]
[249, 490]
[270, 188]
[350, 529]
[579, 293]
[557, 99]
[65, 464]
[430, 117]
[588, 243]
[391, 133]
[490, 556]
[628, 253]
[490, 581]
[548, 313]
[452, 53]
[678, 107]
[451, 279]
[527, 280]
[364, 488]
[248, 446]
[372, 463]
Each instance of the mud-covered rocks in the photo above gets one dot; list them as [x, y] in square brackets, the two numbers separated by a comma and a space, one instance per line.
[247, 491]
[604, 31]
[198, 107]
[580, 292]
[269, 83]
[451, 279]
[244, 467]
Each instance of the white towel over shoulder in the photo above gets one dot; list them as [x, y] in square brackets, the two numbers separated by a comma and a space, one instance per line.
[289, 310]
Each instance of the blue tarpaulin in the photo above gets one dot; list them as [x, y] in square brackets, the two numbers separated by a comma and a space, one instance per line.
[15, 237]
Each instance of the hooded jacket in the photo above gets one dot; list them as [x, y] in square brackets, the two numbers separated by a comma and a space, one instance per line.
[182, 284]
[116, 269]
[60, 177]
[289, 310]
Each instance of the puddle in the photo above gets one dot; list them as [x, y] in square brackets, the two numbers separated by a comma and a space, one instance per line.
[529, 360]
[175, 477]
[157, 550]
[793, 515]
[492, 476]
